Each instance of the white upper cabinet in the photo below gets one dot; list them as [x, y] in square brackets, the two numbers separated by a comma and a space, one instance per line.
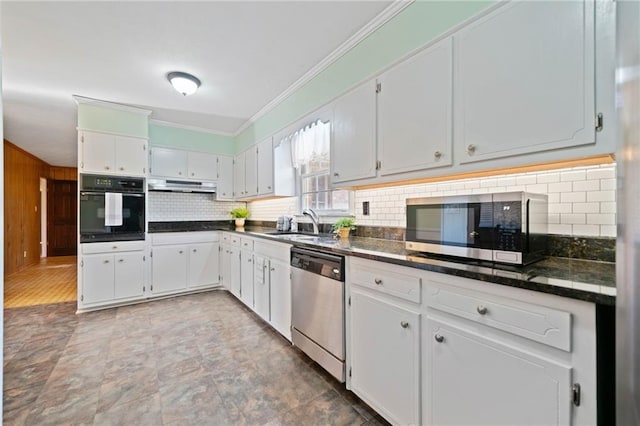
[353, 145]
[181, 164]
[202, 166]
[168, 162]
[524, 80]
[414, 112]
[265, 167]
[225, 178]
[251, 172]
[238, 176]
[112, 154]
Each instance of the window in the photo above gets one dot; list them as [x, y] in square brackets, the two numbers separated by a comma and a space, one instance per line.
[310, 151]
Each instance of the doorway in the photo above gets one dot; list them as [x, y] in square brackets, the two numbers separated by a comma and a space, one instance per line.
[62, 217]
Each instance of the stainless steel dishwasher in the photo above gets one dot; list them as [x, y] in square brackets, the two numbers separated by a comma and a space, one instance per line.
[317, 313]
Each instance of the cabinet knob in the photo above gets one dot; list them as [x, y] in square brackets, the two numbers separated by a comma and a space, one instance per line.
[121, 168]
[404, 324]
[180, 251]
[180, 173]
[106, 261]
[378, 281]
[336, 174]
[268, 187]
[437, 155]
[439, 338]
[193, 174]
[249, 260]
[195, 250]
[473, 234]
[224, 193]
[120, 260]
[114, 247]
[482, 310]
[471, 149]
[106, 167]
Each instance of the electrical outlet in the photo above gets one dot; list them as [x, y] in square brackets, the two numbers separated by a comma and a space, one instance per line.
[365, 208]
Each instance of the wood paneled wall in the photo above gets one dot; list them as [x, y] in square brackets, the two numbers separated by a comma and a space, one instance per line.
[22, 173]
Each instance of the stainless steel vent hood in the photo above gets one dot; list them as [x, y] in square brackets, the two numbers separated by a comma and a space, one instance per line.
[169, 185]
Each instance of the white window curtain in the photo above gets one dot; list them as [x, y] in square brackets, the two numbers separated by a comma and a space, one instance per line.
[310, 143]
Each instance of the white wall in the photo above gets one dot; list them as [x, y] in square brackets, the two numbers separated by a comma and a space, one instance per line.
[176, 206]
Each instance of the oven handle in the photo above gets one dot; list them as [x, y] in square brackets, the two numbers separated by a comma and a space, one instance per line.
[124, 194]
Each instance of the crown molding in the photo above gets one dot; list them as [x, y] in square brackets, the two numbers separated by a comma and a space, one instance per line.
[105, 104]
[382, 18]
[187, 127]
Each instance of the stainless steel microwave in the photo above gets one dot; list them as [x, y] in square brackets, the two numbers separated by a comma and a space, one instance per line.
[509, 227]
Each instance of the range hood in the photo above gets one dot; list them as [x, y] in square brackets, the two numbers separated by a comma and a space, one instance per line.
[169, 185]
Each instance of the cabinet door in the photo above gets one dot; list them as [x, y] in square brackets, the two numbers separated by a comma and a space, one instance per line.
[265, 167]
[225, 178]
[246, 277]
[234, 271]
[129, 275]
[225, 266]
[280, 285]
[98, 152]
[131, 156]
[168, 162]
[385, 357]
[353, 145]
[97, 278]
[204, 264]
[524, 80]
[169, 269]
[465, 367]
[261, 286]
[202, 166]
[238, 176]
[251, 171]
[414, 112]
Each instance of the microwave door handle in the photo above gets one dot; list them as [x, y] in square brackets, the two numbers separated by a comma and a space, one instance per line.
[124, 194]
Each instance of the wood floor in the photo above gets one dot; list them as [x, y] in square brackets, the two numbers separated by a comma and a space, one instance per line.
[53, 280]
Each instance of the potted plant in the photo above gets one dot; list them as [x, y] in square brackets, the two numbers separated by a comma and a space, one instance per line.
[239, 214]
[343, 226]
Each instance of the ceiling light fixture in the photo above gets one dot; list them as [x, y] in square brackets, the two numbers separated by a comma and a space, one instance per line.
[183, 82]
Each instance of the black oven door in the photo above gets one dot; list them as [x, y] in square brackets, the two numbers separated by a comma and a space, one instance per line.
[92, 218]
[453, 224]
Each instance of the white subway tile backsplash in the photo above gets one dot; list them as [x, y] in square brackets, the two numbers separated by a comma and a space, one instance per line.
[607, 207]
[601, 196]
[573, 197]
[560, 187]
[538, 188]
[176, 206]
[548, 178]
[601, 218]
[586, 230]
[560, 229]
[560, 208]
[573, 175]
[607, 184]
[526, 180]
[586, 207]
[608, 230]
[586, 185]
[608, 172]
[573, 218]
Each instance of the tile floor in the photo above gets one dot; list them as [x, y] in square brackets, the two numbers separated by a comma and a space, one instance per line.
[197, 359]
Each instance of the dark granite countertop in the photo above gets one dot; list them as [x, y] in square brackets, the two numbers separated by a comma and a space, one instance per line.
[587, 280]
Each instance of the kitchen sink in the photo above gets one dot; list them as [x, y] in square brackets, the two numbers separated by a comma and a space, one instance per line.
[306, 238]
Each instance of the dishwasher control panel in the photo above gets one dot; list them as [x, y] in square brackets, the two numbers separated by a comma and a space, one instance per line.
[320, 263]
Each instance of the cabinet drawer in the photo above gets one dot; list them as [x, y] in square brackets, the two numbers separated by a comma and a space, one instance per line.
[278, 251]
[246, 243]
[390, 279]
[116, 246]
[545, 325]
[170, 238]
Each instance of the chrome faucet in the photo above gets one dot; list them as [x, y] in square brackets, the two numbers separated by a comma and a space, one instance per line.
[314, 219]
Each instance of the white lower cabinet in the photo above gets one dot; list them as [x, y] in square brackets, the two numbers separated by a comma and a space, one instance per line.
[280, 306]
[110, 273]
[184, 261]
[435, 349]
[246, 277]
[261, 287]
[169, 269]
[468, 373]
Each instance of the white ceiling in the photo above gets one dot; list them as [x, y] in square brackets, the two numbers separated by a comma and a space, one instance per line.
[245, 53]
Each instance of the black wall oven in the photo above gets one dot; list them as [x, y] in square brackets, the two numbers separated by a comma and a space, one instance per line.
[506, 227]
[111, 208]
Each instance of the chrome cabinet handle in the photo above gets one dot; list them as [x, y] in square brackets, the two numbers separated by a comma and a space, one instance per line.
[378, 281]
[482, 310]
[404, 324]
[439, 338]
[471, 149]
[437, 155]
